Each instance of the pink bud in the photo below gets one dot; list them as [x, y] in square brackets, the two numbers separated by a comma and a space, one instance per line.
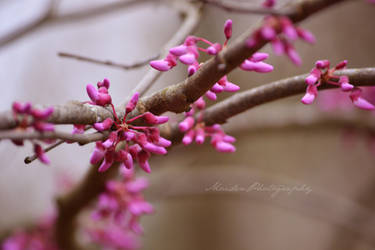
[153, 119]
[137, 185]
[231, 87]
[214, 49]
[211, 95]
[92, 92]
[191, 70]
[160, 65]
[313, 77]
[341, 65]
[111, 140]
[132, 103]
[21, 108]
[43, 126]
[228, 29]
[322, 64]
[105, 165]
[103, 99]
[293, 55]
[278, 46]
[188, 137]
[42, 114]
[260, 67]
[164, 142]
[225, 147]
[143, 161]
[360, 102]
[96, 155]
[229, 139]
[306, 35]
[217, 88]
[106, 124]
[186, 124]
[344, 83]
[40, 154]
[105, 83]
[290, 32]
[269, 3]
[258, 56]
[268, 33]
[179, 50]
[308, 98]
[199, 137]
[126, 158]
[188, 58]
[152, 148]
[78, 128]
[200, 103]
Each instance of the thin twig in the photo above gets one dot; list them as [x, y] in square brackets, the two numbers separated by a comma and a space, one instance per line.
[108, 62]
[243, 7]
[31, 158]
[35, 135]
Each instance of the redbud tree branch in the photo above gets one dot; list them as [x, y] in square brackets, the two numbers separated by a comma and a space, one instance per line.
[70, 205]
[178, 97]
[243, 101]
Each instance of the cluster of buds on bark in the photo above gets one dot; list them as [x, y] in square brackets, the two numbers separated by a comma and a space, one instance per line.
[137, 142]
[117, 214]
[28, 118]
[282, 33]
[323, 74]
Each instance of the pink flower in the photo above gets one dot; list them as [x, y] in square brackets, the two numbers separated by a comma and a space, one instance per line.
[322, 74]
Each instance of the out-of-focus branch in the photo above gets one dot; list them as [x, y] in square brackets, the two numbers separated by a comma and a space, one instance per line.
[50, 17]
[70, 205]
[30, 135]
[28, 27]
[243, 7]
[108, 62]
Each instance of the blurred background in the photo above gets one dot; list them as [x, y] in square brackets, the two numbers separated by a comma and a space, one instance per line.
[336, 165]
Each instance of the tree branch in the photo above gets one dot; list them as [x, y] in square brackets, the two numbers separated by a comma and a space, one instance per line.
[31, 135]
[108, 62]
[241, 102]
[243, 8]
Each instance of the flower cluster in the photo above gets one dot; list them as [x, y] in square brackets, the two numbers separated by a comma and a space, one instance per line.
[118, 212]
[139, 141]
[188, 53]
[323, 74]
[198, 131]
[282, 43]
[40, 237]
[28, 117]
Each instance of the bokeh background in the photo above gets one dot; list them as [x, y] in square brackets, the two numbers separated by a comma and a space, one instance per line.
[338, 167]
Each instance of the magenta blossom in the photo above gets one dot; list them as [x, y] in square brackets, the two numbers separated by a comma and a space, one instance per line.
[282, 43]
[28, 117]
[323, 74]
[118, 212]
[188, 53]
[139, 141]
